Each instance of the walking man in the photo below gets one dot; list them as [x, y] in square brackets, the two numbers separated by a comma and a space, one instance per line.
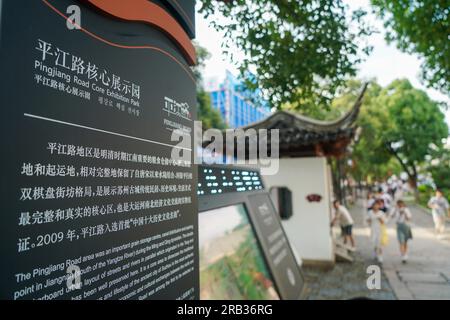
[440, 209]
[345, 221]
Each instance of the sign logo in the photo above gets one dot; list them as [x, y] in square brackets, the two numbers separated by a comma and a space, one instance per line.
[179, 109]
[264, 211]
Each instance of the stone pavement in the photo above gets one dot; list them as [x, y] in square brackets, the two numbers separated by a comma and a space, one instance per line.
[425, 276]
[348, 280]
[427, 273]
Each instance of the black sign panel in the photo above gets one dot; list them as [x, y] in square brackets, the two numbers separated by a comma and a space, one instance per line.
[274, 241]
[266, 222]
[185, 12]
[94, 205]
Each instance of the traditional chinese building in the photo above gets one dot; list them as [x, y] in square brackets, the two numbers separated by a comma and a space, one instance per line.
[305, 148]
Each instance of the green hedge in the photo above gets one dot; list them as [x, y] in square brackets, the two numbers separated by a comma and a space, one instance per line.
[426, 192]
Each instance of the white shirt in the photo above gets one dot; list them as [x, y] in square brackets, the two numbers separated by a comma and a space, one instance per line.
[374, 218]
[370, 203]
[441, 205]
[401, 215]
[375, 226]
[387, 199]
[344, 217]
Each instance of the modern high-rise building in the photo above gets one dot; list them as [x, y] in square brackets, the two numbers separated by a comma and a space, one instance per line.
[238, 106]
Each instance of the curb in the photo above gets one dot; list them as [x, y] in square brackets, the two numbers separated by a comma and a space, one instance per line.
[399, 287]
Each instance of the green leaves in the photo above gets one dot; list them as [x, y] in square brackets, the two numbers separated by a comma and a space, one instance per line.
[210, 117]
[417, 121]
[421, 27]
[398, 122]
[298, 50]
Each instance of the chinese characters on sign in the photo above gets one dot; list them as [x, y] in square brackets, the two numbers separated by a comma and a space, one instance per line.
[167, 180]
[70, 74]
[89, 187]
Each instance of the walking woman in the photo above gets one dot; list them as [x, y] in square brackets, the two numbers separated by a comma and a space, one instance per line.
[402, 216]
[376, 219]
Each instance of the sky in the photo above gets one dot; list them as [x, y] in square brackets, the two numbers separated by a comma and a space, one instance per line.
[386, 62]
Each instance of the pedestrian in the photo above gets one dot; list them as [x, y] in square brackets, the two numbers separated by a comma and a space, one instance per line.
[386, 199]
[399, 190]
[346, 222]
[376, 219]
[440, 209]
[402, 216]
[378, 194]
[370, 201]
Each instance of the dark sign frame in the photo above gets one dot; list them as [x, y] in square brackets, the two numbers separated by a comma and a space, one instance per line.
[91, 192]
[214, 201]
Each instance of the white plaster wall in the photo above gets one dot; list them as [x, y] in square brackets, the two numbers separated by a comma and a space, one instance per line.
[308, 229]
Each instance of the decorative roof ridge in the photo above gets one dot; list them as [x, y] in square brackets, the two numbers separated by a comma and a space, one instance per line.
[300, 121]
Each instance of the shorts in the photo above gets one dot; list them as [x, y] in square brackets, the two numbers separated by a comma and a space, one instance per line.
[346, 230]
[403, 233]
[439, 220]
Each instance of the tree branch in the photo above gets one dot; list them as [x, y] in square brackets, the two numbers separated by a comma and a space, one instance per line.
[402, 163]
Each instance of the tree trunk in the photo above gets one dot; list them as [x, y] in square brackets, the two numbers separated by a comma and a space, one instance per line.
[410, 170]
[336, 178]
[413, 182]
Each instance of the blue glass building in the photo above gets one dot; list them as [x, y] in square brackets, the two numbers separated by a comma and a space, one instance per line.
[237, 106]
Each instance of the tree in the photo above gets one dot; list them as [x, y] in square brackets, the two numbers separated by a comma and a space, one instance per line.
[417, 125]
[421, 27]
[370, 158]
[210, 117]
[298, 50]
[439, 168]
[400, 127]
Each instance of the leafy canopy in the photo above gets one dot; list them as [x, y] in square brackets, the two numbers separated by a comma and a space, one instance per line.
[371, 159]
[400, 128]
[421, 27]
[298, 50]
[209, 116]
[417, 124]
[440, 168]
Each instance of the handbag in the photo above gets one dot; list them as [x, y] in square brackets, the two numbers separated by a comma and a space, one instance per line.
[410, 234]
[384, 235]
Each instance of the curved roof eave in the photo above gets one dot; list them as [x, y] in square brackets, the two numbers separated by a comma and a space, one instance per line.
[303, 122]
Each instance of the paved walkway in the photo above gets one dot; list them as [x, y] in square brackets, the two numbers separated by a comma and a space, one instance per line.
[427, 273]
[348, 280]
[425, 276]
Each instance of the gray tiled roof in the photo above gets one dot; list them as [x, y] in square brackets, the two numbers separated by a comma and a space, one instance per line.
[301, 136]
